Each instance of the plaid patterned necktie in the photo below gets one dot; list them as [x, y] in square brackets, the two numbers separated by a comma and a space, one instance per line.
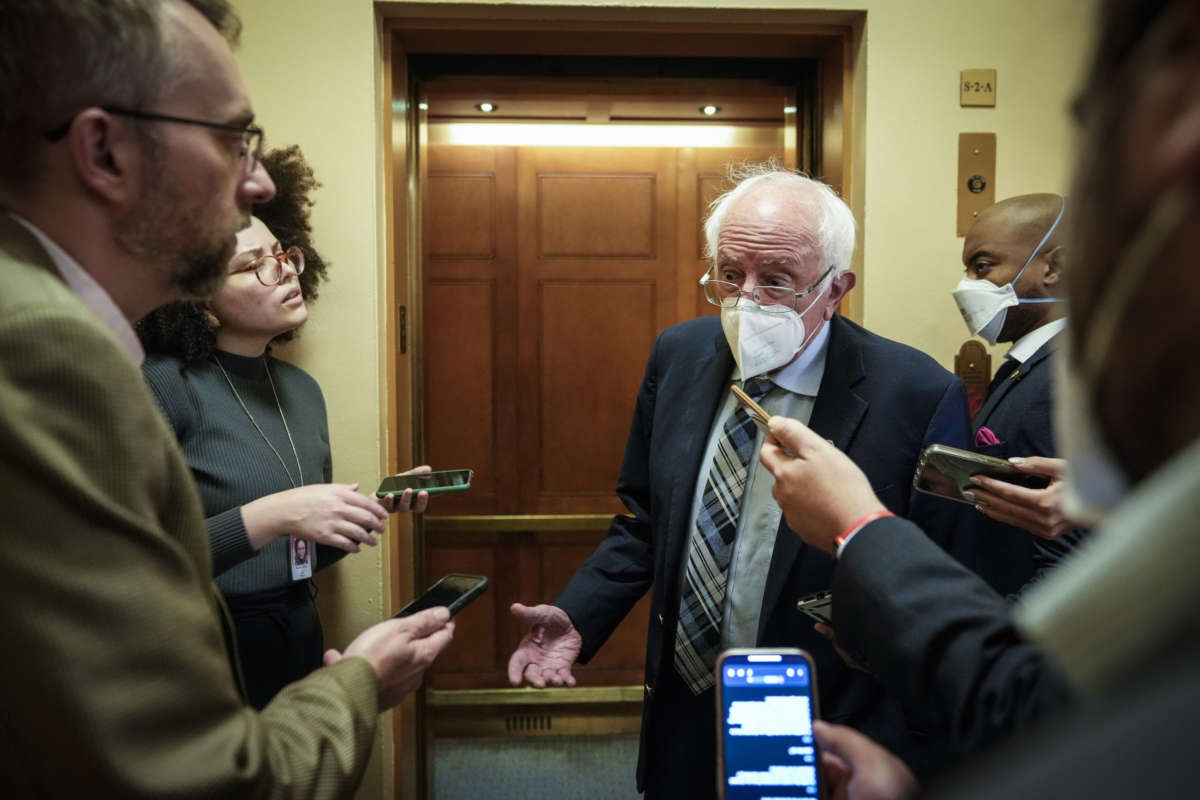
[698, 633]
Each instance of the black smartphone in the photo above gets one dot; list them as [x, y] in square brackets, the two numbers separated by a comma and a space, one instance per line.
[454, 591]
[818, 607]
[946, 472]
[442, 480]
[766, 703]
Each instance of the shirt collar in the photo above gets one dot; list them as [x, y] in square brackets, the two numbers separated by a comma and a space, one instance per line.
[1031, 342]
[89, 291]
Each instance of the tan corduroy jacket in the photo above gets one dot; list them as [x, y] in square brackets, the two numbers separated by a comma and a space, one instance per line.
[116, 677]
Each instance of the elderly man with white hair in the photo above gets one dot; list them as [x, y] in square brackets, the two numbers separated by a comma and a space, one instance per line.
[704, 534]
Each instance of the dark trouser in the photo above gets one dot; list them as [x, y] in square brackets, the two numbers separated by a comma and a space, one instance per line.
[683, 748]
[279, 639]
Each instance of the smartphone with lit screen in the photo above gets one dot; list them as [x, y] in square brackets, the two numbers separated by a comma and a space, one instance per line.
[766, 704]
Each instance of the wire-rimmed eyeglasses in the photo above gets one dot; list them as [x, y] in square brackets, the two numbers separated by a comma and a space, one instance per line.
[269, 268]
[252, 135]
[772, 299]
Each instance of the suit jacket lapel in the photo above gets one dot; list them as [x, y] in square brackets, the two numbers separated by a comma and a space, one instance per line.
[1043, 352]
[705, 390]
[993, 399]
[997, 395]
[837, 414]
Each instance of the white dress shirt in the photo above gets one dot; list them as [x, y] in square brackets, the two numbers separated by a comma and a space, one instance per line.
[1031, 342]
[793, 395]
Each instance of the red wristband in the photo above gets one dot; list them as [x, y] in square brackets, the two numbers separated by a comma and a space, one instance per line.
[841, 538]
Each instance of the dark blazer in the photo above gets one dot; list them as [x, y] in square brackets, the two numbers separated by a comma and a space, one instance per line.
[879, 401]
[1020, 411]
[939, 639]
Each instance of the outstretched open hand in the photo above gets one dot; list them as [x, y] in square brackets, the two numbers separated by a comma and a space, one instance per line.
[547, 653]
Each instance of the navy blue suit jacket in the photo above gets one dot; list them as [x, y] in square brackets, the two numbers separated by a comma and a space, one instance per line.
[879, 401]
[1020, 411]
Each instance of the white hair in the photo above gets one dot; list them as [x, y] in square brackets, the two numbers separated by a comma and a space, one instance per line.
[834, 223]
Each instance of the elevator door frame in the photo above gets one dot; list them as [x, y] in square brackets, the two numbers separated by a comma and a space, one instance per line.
[832, 38]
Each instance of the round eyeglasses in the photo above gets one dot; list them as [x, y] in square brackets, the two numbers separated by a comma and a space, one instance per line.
[772, 299]
[269, 269]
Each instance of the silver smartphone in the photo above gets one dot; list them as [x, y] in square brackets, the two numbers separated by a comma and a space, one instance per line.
[946, 472]
[818, 607]
[766, 704]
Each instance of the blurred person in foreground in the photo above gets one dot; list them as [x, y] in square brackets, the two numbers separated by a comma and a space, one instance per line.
[253, 429]
[1105, 655]
[131, 162]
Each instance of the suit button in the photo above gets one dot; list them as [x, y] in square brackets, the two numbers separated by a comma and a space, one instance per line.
[648, 689]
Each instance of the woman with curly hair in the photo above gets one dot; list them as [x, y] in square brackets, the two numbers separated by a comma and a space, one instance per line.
[254, 431]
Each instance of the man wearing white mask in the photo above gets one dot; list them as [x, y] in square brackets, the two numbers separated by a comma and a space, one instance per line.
[704, 534]
[1012, 292]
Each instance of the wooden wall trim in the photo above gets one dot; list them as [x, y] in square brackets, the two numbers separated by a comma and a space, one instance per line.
[532, 523]
[444, 698]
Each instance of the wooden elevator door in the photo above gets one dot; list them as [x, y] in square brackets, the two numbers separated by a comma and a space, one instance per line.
[549, 271]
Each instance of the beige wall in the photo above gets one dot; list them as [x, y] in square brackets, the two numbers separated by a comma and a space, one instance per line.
[313, 72]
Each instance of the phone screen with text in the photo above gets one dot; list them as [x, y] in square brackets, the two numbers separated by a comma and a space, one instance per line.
[767, 708]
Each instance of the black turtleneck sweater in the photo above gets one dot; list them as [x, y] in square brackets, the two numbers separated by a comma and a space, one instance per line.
[231, 462]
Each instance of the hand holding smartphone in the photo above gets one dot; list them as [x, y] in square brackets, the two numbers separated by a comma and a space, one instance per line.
[436, 482]
[766, 703]
[946, 472]
[817, 607]
[454, 591]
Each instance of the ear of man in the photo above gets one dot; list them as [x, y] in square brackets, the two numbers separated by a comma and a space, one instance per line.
[1055, 265]
[106, 157]
[840, 287]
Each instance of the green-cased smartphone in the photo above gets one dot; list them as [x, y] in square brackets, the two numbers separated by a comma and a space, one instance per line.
[453, 591]
[946, 472]
[443, 480]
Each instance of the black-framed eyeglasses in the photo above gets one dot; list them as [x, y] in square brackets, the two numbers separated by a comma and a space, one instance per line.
[772, 299]
[252, 135]
[269, 269]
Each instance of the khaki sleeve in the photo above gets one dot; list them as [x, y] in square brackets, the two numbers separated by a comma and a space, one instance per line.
[116, 677]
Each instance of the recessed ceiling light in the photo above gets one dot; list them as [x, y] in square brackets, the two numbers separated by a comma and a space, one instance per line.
[710, 110]
[487, 108]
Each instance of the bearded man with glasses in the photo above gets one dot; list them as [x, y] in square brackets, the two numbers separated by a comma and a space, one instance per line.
[130, 167]
[704, 534]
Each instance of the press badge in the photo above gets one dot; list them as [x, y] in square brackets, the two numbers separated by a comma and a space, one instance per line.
[301, 557]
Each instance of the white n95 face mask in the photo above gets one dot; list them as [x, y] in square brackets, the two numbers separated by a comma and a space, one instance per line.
[984, 305]
[762, 341]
